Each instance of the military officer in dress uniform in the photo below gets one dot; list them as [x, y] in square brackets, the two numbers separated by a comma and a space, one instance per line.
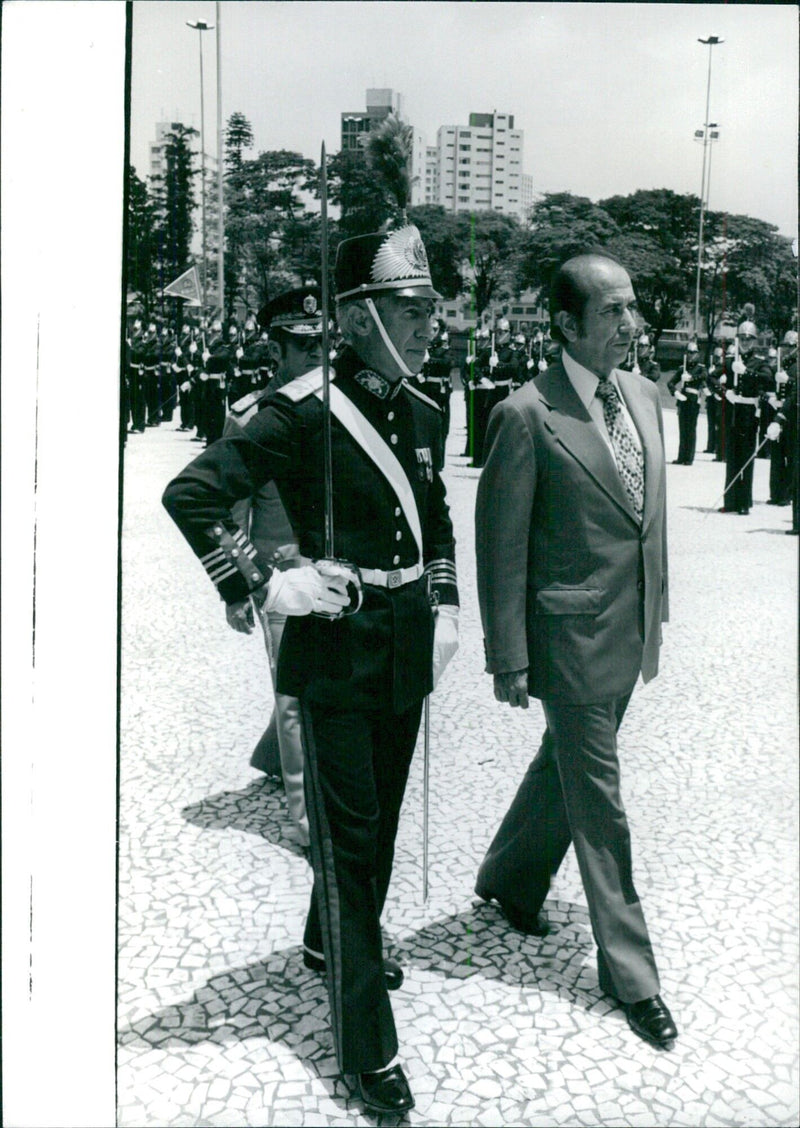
[361, 678]
[434, 379]
[294, 322]
[750, 376]
[136, 388]
[218, 364]
[686, 386]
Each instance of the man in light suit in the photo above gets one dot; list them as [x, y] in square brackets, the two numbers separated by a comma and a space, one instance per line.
[572, 582]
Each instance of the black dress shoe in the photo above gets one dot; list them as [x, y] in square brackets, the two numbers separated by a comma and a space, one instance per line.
[392, 971]
[385, 1091]
[532, 924]
[651, 1020]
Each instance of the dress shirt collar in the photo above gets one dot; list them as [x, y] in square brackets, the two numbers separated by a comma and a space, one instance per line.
[583, 380]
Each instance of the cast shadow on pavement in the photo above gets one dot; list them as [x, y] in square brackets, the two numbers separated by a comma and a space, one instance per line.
[480, 942]
[259, 808]
[276, 999]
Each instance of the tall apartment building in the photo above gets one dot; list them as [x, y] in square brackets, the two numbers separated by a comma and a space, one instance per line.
[479, 166]
[356, 124]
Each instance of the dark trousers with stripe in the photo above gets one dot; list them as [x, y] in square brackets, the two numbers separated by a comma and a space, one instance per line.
[357, 763]
[571, 793]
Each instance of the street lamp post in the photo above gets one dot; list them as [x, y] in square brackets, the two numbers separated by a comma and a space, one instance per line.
[711, 42]
[200, 26]
[220, 210]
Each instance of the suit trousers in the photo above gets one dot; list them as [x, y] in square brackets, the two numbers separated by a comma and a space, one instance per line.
[571, 793]
[356, 767]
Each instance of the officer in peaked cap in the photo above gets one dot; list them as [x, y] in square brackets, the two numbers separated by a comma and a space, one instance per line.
[294, 322]
[360, 677]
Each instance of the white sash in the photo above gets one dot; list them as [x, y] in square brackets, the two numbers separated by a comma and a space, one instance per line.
[360, 428]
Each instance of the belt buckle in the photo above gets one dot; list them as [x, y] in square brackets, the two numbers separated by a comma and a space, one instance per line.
[394, 579]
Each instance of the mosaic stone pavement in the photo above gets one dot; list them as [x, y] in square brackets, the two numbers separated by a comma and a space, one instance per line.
[219, 1022]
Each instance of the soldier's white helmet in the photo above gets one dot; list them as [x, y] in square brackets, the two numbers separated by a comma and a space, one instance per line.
[692, 347]
[747, 329]
[520, 339]
[644, 341]
[790, 338]
[503, 326]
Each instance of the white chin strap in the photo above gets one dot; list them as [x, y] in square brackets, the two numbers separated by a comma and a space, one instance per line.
[387, 340]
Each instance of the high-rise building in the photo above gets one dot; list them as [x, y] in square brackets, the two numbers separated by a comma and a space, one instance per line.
[479, 166]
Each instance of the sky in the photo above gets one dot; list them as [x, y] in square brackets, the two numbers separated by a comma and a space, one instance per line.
[609, 95]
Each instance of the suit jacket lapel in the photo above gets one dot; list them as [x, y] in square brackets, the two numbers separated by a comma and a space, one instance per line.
[644, 417]
[574, 428]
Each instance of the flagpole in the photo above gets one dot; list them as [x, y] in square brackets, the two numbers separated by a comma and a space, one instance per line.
[220, 209]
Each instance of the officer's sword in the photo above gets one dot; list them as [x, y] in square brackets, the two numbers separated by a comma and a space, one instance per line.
[426, 757]
[752, 458]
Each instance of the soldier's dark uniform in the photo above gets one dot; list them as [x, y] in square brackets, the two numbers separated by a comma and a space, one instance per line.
[714, 390]
[742, 396]
[136, 390]
[687, 386]
[218, 371]
[168, 388]
[150, 354]
[783, 450]
[361, 679]
[184, 368]
[434, 379]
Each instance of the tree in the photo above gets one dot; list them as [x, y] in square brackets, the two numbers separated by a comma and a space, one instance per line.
[140, 241]
[175, 202]
[443, 235]
[238, 136]
[560, 225]
[490, 240]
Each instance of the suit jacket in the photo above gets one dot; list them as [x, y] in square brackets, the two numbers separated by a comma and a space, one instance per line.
[570, 585]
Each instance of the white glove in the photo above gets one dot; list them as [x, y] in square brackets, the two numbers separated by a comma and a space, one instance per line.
[299, 591]
[193, 347]
[739, 367]
[723, 379]
[529, 363]
[186, 386]
[445, 639]
[542, 365]
[239, 353]
[178, 351]
[781, 377]
[190, 368]
[774, 431]
[494, 360]
[679, 396]
[206, 355]
[730, 396]
[468, 359]
[204, 376]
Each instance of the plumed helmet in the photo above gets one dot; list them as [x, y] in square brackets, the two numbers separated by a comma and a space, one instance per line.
[391, 262]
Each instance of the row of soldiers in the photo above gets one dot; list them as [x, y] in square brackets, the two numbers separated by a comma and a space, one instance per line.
[747, 388]
[198, 371]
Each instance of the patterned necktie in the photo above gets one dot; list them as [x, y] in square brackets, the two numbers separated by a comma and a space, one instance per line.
[630, 462]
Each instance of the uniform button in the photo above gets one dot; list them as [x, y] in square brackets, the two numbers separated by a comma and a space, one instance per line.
[234, 552]
[218, 530]
[397, 511]
[395, 560]
[256, 576]
[390, 416]
[398, 535]
[393, 440]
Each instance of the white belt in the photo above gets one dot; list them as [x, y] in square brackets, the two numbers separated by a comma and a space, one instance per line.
[692, 391]
[745, 399]
[400, 576]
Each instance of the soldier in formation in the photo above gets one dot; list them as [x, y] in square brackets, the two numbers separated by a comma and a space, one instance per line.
[782, 428]
[750, 377]
[434, 379]
[687, 386]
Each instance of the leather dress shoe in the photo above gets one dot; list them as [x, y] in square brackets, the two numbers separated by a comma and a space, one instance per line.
[386, 1091]
[651, 1020]
[532, 924]
[392, 971]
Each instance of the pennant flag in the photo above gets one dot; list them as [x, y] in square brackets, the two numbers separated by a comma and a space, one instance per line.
[187, 286]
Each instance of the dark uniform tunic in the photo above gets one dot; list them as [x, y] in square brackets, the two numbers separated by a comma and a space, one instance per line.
[688, 404]
[783, 450]
[434, 380]
[361, 680]
[741, 429]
